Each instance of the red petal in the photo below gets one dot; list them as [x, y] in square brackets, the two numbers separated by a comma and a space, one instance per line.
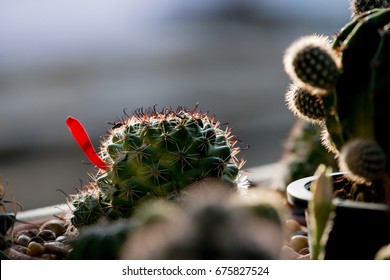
[82, 138]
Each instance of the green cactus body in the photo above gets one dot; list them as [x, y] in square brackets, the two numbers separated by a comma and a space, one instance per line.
[356, 90]
[355, 107]
[363, 89]
[157, 154]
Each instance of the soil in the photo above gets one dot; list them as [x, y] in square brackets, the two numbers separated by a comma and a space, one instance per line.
[346, 189]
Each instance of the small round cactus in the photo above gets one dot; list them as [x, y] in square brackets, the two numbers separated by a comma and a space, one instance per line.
[312, 61]
[363, 159]
[306, 103]
[152, 154]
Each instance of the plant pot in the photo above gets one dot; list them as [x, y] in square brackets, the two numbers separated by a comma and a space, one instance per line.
[360, 229]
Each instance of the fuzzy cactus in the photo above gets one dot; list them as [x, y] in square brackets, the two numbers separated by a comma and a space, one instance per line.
[152, 154]
[342, 84]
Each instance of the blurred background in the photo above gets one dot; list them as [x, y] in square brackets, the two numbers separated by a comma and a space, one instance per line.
[93, 59]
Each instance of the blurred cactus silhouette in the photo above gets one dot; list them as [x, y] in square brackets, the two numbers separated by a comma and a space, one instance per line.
[303, 152]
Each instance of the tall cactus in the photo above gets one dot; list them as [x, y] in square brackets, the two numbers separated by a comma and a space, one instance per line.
[152, 154]
[343, 85]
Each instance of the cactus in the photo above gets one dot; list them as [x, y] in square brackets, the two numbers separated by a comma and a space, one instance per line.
[342, 84]
[101, 241]
[303, 152]
[217, 225]
[152, 154]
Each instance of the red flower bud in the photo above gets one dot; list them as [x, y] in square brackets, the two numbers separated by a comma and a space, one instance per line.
[83, 140]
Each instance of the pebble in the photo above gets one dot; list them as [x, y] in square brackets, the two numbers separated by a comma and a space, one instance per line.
[23, 240]
[56, 248]
[56, 226]
[300, 232]
[35, 249]
[47, 235]
[298, 242]
[30, 232]
[292, 226]
[288, 253]
[304, 251]
[37, 239]
[20, 249]
[61, 238]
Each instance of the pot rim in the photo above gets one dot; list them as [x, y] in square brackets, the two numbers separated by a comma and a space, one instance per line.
[298, 194]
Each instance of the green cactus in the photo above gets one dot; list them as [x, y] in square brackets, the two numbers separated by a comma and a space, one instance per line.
[345, 82]
[152, 154]
[101, 241]
[303, 152]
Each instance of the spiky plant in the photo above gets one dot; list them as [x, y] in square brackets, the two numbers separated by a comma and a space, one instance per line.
[152, 154]
[342, 84]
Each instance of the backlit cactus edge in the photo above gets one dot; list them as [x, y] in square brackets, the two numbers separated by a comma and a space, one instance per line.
[152, 154]
[343, 85]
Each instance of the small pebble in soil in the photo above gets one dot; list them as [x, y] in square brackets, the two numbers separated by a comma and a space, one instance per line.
[298, 242]
[300, 232]
[304, 251]
[57, 248]
[20, 249]
[23, 240]
[30, 232]
[292, 226]
[56, 226]
[37, 239]
[35, 249]
[47, 235]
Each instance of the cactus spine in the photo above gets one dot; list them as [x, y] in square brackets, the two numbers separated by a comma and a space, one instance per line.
[154, 154]
[349, 77]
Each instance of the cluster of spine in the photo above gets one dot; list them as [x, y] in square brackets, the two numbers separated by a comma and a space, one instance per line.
[156, 154]
[343, 86]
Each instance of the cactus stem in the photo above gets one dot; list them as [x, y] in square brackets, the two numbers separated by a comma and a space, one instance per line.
[83, 140]
[333, 122]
